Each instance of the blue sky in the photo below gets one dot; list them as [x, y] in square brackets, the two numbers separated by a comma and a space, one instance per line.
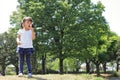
[112, 13]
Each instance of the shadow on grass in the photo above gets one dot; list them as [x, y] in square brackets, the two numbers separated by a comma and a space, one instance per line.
[114, 78]
[38, 78]
[35, 78]
[108, 77]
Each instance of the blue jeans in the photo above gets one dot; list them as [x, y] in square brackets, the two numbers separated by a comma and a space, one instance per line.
[25, 53]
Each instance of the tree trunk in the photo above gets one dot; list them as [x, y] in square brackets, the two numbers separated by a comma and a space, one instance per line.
[97, 69]
[43, 63]
[34, 63]
[61, 65]
[16, 69]
[87, 66]
[104, 67]
[117, 68]
[3, 69]
[77, 67]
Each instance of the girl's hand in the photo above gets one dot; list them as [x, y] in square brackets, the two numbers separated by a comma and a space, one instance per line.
[31, 27]
[19, 43]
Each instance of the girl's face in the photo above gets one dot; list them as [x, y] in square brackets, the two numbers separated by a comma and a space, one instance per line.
[27, 24]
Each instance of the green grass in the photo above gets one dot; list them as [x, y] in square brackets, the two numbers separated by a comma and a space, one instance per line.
[53, 77]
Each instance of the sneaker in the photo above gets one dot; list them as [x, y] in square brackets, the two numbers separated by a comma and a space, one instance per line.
[29, 75]
[20, 74]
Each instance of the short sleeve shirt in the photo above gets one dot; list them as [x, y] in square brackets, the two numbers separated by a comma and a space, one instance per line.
[25, 38]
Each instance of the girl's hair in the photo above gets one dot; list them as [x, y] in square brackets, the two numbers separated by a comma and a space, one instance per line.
[21, 24]
[27, 18]
[33, 26]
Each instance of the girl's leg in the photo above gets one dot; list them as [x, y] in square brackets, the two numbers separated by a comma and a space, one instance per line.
[21, 62]
[28, 61]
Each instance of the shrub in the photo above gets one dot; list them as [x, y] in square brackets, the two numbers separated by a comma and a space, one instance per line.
[115, 74]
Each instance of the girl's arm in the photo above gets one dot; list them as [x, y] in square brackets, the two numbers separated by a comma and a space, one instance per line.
[33, 34]
[18, 39]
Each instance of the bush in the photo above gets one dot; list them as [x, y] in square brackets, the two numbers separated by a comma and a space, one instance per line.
[115, 74]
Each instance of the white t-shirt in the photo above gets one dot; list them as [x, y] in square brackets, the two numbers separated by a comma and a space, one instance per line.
[25, 38]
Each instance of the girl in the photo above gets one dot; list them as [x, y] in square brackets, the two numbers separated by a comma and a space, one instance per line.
[25, 38]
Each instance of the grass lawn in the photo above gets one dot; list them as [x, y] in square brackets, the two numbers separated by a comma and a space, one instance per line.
[53, 77]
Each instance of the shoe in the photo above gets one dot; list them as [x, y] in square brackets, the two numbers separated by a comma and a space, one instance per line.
[20, 74]
[29, 75]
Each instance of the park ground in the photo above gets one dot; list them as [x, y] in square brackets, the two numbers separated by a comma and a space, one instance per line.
[59, 77]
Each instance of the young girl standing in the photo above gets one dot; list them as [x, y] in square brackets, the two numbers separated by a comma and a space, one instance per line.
[25, 38]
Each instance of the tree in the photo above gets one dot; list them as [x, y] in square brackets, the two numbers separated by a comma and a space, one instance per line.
[93, 31]
[66, 29]
[7, 51]
[54, 17]
[13, 58]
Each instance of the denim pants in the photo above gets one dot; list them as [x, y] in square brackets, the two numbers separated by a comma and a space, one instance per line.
[25, 53]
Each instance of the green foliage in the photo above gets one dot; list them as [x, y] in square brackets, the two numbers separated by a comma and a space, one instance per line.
[68, 29]
[7, 51]
[53, 65]
[10, 70]
[70, 65]
[115, 74]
